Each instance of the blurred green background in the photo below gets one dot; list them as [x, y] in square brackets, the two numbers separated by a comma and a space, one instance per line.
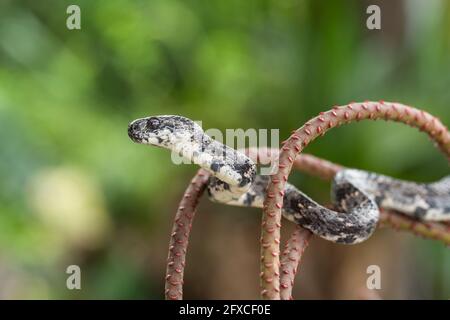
[75, 190]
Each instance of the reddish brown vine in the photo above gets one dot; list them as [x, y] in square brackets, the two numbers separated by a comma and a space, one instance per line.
[290, 260]
[179, 239]
[311, 165]
[430, 230]
[271, 224]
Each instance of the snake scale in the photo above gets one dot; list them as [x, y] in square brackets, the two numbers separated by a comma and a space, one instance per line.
[357, 195]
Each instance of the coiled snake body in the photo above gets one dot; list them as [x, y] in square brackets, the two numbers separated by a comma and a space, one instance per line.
[357, 194]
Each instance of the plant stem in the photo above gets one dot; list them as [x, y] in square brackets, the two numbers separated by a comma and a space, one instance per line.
[290, 260]
[270, 233]
[179, 239]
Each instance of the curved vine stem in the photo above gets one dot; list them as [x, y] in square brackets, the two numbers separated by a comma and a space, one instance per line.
[271, 224]
[305, 163]
[314, 166]
[326, 170]
[318, 167]
[431, 230]
[179, 239]
[290, 260]
[184, 216]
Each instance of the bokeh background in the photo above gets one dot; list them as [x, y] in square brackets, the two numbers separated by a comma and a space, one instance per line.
[75, 190]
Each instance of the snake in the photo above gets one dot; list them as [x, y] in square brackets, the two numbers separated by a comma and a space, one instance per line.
[357, 195]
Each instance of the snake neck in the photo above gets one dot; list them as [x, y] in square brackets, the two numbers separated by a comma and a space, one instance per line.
[233, 168]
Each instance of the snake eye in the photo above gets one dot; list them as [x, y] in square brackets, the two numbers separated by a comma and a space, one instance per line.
[152, 123]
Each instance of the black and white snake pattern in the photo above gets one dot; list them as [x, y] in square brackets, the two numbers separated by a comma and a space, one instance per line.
[357, 194]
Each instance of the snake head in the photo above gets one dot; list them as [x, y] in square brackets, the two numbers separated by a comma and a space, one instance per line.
[162, 131]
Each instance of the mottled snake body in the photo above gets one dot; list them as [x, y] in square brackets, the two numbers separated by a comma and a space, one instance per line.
[357, 195]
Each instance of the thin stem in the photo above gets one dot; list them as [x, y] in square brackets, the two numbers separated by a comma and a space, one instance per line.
[270, 233]
[316, 166]
[290, 260]
[431, 230]
[179, 239]
[305, 163]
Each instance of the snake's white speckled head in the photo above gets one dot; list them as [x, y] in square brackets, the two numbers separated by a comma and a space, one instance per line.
[162, 131]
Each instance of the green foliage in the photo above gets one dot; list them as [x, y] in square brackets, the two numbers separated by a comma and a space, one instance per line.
[66, 98]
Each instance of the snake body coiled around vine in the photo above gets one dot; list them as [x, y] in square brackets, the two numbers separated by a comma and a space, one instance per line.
[357, 195]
